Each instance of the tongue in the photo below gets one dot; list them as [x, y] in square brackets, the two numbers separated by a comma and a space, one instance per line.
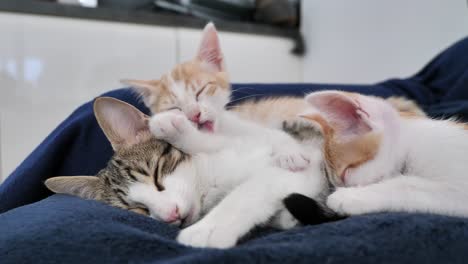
[208, 126]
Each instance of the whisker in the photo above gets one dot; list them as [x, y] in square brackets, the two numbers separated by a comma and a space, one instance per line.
[244, 88]
[246, 97]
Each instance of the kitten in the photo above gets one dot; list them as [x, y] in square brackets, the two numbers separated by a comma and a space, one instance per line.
[220, 194]
[138, 158]
[384, 160]
[200, 90]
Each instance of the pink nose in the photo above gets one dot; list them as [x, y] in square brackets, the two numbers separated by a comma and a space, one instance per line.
[196, 118]
[174, 215]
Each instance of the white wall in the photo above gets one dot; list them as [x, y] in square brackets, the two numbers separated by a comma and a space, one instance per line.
[49, 66]
[364, 41]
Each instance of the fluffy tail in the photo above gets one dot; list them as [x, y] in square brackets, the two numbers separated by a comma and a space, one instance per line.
[308, 211]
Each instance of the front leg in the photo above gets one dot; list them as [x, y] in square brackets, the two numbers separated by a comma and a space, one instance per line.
[287, 152]
[401, 194]
[177, 130]
[252, 203]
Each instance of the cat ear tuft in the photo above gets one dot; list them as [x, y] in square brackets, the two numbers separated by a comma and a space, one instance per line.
[342, 112]
[122, 123]
[87, 187]
[209, 50]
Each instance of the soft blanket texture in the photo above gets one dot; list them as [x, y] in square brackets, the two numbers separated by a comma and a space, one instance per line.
[66, 229]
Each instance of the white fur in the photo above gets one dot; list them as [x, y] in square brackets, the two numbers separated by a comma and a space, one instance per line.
[227, 124]
[235, 184]
[420, 167]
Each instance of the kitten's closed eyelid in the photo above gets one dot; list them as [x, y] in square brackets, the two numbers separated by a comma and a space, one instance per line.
[140, 209]
[174, 108]
[156, 176]
[202, 89]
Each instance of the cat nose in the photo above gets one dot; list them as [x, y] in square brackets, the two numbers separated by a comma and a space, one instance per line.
[196, 117]
[174, 215]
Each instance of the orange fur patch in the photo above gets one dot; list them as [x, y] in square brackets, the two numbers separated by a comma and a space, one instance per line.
[269, 110]
[193, 74]
[350, 154]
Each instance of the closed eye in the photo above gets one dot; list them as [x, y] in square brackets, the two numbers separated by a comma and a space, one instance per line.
[156, 178]
[201, 90]
[174, 108]
[141, 209]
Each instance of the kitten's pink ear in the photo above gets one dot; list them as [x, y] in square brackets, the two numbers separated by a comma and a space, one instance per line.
[122, 123]
[342, 111]
[210, 48]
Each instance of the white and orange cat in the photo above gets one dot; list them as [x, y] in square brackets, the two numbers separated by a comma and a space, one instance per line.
[200, 90]
[384, 160]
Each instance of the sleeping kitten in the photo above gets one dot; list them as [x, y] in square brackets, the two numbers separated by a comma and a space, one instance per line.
[200, 90]
[220, 194]
[384, 160]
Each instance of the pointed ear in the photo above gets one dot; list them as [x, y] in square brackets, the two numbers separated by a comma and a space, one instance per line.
[342, 112]
[122, 123]
[210, 48]
[87, 187]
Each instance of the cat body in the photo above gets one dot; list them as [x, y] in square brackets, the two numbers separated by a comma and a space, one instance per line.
[200, 90]
[220, 194]
[384, 160]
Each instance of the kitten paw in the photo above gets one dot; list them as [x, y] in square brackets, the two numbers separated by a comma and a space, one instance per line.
[353, 201]
[205, 235]
[168, 126]
[292, 161]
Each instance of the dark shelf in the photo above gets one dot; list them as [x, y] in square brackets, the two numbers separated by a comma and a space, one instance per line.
[147, 18]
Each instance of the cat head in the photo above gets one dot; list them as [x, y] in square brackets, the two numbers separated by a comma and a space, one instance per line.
[360, 135]
[145, 175]
[199, 88]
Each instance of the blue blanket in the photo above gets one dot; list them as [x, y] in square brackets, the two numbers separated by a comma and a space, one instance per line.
[36, 226]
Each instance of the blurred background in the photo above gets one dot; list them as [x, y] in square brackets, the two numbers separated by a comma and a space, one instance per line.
[56, 55]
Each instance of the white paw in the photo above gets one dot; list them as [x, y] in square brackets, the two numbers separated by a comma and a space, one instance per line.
[202, 234]
[353, 201]
[292, 161]
[168, 125]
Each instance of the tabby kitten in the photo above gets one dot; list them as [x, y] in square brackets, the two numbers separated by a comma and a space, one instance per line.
[138, 158]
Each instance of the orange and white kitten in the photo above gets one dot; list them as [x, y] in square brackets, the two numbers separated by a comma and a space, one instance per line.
[384, 160]
[200, 90]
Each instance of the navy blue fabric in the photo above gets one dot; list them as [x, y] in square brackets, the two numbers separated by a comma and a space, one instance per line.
[65, 229]
[70, 230]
